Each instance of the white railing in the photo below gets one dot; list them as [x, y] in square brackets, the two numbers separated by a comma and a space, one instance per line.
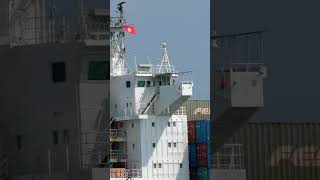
[230, 156]
[157, 69]
[181, 111]
[247, 67]
[117, 133]
[94, 148]
[125, 112]
[133, 173]
[118, 156]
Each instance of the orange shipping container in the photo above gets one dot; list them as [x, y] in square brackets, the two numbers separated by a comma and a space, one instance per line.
[117, 172]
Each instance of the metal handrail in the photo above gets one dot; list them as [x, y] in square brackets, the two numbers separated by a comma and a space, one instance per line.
[232, 159]
[117, 133]
[133, 173]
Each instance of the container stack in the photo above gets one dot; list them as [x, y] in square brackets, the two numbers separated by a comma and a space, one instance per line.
[198, 112]
[199, 149]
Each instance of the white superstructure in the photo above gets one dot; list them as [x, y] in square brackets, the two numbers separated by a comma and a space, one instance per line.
[149, 129]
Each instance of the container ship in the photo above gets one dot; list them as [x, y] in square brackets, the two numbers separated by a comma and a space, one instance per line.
[148, 126]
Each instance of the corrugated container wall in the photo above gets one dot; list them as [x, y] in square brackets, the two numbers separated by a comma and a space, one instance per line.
[203, 173]
[202, 131]
[191, 132]
[197, 109]
[192, 155]
[280, 151]
[198, 114]
[203, 154]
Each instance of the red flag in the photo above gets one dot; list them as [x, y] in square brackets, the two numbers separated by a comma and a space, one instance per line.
[130, 29]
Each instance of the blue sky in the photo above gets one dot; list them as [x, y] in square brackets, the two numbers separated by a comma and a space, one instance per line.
[183, 24]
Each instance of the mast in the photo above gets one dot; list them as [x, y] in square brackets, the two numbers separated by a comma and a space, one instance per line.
[118, 43]
[165, 66]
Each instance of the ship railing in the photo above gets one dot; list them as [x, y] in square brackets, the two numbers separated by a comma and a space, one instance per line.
[242, 67]
[181, 111]
[125, 112]
[118, 155]
[117, 22]
[117, 133]
[95, 24]
[93, 159]
[94, 147]
[133, 173]
[94, 137]
[158, 69]
[230, 156]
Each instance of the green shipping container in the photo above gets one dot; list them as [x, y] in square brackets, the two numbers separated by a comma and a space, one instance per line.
[203, 173]
[197, 109]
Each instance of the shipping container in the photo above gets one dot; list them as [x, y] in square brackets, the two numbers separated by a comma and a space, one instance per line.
[117, 172]
[280, 151]
[197, 109]
[203, 154]
[191, 132]
[193, 173]
[192, 155]
[202, 131]
[203, 173]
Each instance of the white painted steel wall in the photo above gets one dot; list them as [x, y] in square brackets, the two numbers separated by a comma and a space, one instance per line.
[133, 137]
[169, 158]
[168, 95]
[247, 90]
[121, 95]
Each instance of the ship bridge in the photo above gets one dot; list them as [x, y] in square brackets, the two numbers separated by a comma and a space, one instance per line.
[150, 90]
[238, 82]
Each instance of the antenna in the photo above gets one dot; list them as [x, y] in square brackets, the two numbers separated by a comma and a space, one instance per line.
[120, 7]
[165, 66]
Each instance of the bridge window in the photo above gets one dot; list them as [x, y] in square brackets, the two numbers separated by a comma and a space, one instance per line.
[160, 165]
[168, 80]
[174, 124]
[152, 124]
[99, 70]
[141, 83]
[169, 144]
[153, 145]
[148, 83]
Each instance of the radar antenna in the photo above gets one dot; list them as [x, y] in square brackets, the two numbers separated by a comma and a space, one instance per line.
[120, 7]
